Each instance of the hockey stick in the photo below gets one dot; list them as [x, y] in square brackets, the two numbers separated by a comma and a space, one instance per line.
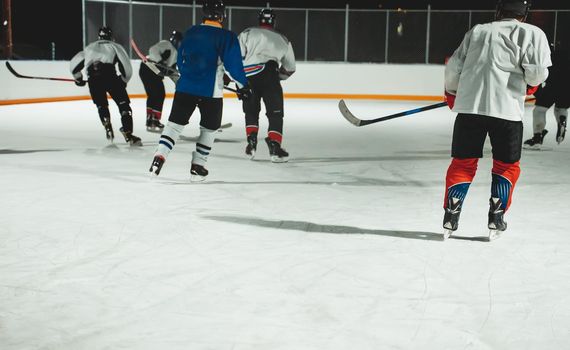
[18, 75]
[352, 119]
[155, 67]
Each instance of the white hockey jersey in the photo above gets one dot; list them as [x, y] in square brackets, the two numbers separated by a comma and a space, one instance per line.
[103, 51]
[493, 65]
[260, 45]
[163, 52]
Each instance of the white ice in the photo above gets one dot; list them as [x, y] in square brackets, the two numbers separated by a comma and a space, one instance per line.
[338, 249]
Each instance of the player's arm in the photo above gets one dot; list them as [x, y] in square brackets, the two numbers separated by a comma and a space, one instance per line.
[232, 59]
[242, 38]
[288, 66]
[124, 63]
[455, 64]
[536, 60]
[76, 65]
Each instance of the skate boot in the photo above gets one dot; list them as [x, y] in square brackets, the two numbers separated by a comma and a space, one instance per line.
[130, 138]
[251, 145]
[278, 154]
[198, 173]
[496, 222]
[451, 217]
[109, 134]
[561, 133]
[153, 124]
[156, 165]
[536, 142]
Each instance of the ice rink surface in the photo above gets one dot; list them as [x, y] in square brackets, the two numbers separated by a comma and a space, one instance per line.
[338, 249]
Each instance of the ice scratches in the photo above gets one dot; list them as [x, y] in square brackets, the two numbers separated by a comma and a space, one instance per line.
[320, 228]
[14, 151]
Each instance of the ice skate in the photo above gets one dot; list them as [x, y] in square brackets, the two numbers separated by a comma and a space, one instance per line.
[153, 124]
[496, 222]
[561, 132]
[535, 143]
[109, 134]
[251, 145]
[198, 173]
[278, 154]
[451, 217]
[156, 165]
[130, 138]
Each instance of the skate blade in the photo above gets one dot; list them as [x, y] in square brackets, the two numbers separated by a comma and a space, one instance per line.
[275, 159]
[154, 130]
[494, 234]
[447, 233]
[137, 144]
[251, 156]
[197, 178]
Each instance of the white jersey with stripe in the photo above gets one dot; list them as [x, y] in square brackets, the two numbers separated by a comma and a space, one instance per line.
[493, 65]
[260, 45]
[163, 52]
[103, 51]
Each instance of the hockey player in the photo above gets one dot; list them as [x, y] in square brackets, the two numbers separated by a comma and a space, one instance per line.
[268, 58]
[204, 53]
[164, 54]
[554, 93]
[99, 58]
[485, 81]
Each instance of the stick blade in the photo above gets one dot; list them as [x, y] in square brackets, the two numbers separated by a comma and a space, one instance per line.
[9, 66]
[347, 114]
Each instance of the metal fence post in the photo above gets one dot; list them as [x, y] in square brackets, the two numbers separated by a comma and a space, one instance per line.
[470, 14]
[160, 14]
[346, 33]
[104, 14]
[555, 27]
[84, 23]
[306, 34]
[427, 32]
[387, 41]
[194, 12]
[230, 19]
[130, 27]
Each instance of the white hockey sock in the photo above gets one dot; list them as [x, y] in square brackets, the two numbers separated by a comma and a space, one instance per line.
[203, 146]
[168, 139]
[539, 119]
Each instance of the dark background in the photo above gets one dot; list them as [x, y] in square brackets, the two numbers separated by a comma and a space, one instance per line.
[36, 24]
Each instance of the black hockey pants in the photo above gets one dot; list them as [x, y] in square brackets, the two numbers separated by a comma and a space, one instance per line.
[154, 87]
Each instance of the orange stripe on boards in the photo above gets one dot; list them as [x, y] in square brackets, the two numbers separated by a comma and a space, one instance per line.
[232, 95]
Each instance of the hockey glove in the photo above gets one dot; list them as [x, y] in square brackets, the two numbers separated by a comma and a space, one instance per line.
[450, 99]
[244, 93]
[80, 82]
[530, 90]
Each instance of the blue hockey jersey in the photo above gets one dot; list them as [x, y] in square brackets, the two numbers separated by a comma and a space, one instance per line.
[204, 53]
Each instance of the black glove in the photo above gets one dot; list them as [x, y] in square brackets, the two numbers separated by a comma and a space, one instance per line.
[80, 82]
[244, 93]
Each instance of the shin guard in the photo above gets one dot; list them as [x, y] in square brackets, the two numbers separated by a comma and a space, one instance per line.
[505, 176]
[460, 174]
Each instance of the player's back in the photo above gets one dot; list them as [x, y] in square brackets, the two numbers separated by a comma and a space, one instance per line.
[103, 51]
[200, 59]
[260, 45]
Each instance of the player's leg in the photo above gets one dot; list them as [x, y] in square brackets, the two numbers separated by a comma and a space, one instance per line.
[118, 91]
[99, 97]
[544, 100]
[469, 135]
[210, 121]
[251, 109]
[562, 103]
[154, 87]
[506, 140]
[273, 100]
[183, 106]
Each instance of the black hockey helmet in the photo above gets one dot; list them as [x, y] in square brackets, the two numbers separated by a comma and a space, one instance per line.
[105, 33]
[267, 16]
[512, 8]
[214, 10]
[175, 38]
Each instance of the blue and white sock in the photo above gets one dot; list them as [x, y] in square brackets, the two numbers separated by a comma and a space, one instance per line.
[168, 139]
[203, 146]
